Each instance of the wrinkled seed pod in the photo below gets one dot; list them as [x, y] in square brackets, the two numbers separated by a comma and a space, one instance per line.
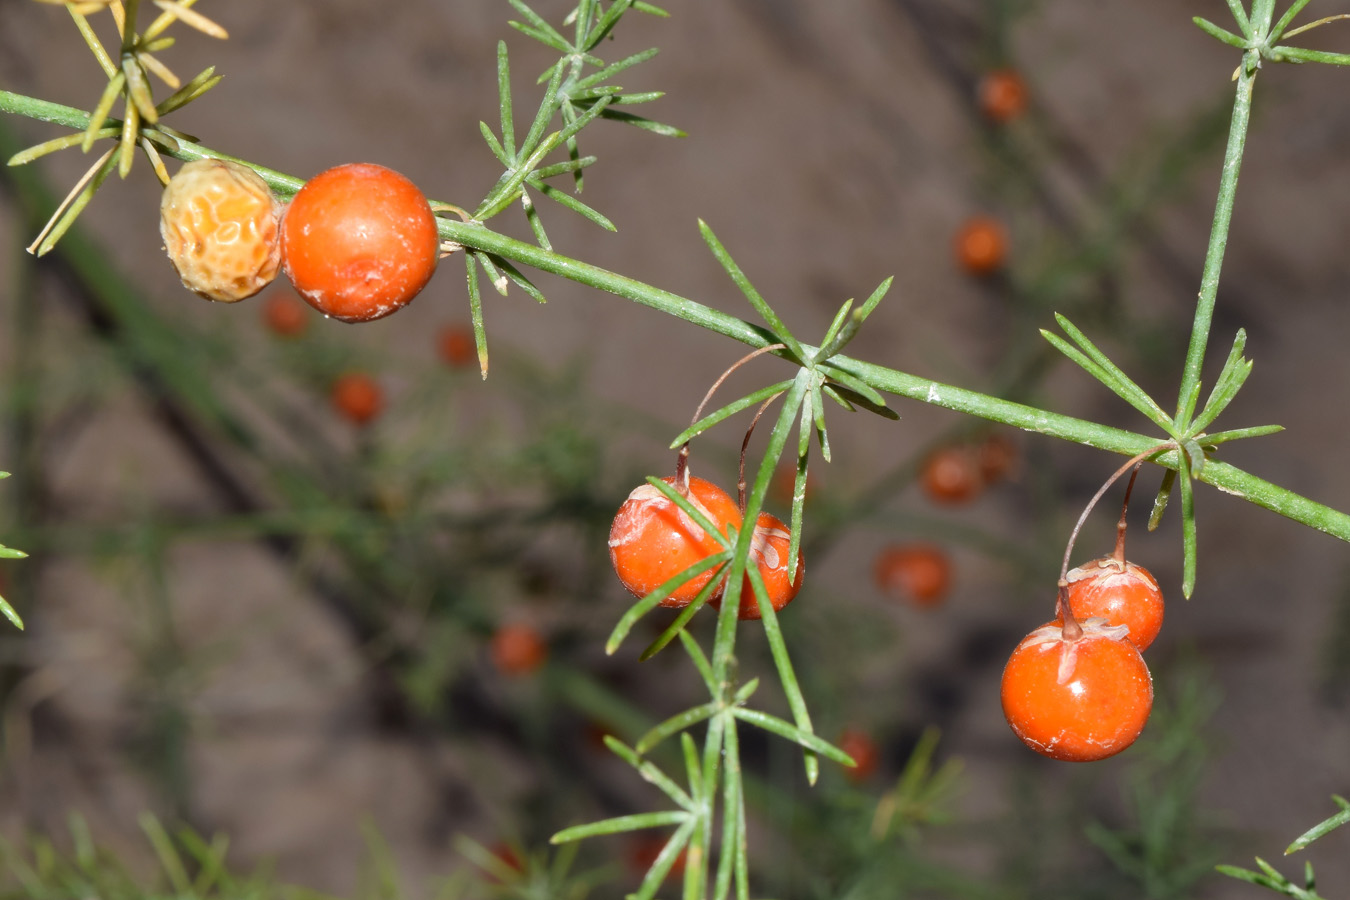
[221, 229]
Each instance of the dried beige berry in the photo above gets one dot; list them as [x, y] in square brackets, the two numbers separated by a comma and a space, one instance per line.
[220, 225]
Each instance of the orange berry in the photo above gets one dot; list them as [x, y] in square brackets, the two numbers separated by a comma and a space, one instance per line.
[359, 242]
[653, 540]
[1077, 699]
[456, 346]
[859, 745]
[769, 547]
[1120, 592]
[1002, 95]
[219, 222]
[518, 649]
[996, 456]
[920, 573]
[357, 398]
[981, 245]
[284, 315]
[951, 475]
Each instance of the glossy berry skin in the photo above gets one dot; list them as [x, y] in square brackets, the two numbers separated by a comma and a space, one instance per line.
[1002, 95]
[951, 475]
[358, 398]
[1077, 700]
[652, 539]
[220, 225]
[918, 573]
[769, 547]
[517, 649]
[455, 346]
[981, 246]
[1120, 592]
[284, 314]
[859, 745]
[359, 242]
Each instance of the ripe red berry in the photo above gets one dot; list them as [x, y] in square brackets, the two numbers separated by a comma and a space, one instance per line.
[219, 223]
[1002, 95]
[859, 745]
[981, 245]
[456, 347]
[769, 547]
[1120, 592]
[284, 315]
[357, 398]
[951, 475]
[518, 649]
[359, 241]
[1077, 698]
[652, 539]
[920, 573]
[996, 457]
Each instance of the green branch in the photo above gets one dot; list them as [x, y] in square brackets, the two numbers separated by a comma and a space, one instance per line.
[1126, 443]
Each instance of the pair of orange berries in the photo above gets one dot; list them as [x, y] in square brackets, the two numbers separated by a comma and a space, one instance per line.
[1078, 689]
[652, 540]
[358, 241]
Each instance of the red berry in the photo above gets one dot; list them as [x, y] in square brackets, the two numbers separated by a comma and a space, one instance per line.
[1120, 592]
[284, 315]
[653, 540]
[518, 649]
[357, 398]
[769, 547]
[359, 241]
[1002, 95]
[951, 475]
[981, 245]
[996, 456]
[920, 573]
[456, 347]
[863, 749]
[1077, 699]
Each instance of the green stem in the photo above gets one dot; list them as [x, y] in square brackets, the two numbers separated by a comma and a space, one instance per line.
[1218, 239]
[1225, 477]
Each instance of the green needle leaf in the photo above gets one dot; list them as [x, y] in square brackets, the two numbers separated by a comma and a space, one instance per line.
[849, 399]
[1160, 502]
[9, 613]
[540, 24]
[1300, 55]
[652, 600]
[204, 81]
[665, 860]
[1294, 9]
[817, 408]
[645, 124]
[536, 224]
[607, 21]
[649, 772]
[1240, 16]
[562, 168]
[1321, 828]
[834, 329]
[855, 385]
[545, 114]
[504, 93]
[476, 312]
[499, 281]
[519, 278]
[494, 146]
[676, 627]
[700, 661]
[1226, 386]
[574, 204]
[621, 824]
[1187, 535]
[613, 69]
[37, 151]
[138, 90]
[1215, 31]
[650, 9]
[796, 735]
[778, 648]
[766, 312]
[1108, 373]
[100, 113]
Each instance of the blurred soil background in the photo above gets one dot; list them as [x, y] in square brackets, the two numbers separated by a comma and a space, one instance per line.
[285, 679]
